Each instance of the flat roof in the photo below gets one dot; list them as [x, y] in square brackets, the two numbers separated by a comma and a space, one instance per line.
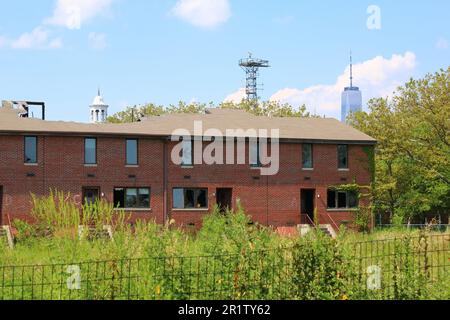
[310, 129]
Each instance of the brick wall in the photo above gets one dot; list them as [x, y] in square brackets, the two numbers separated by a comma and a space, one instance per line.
[273, 200]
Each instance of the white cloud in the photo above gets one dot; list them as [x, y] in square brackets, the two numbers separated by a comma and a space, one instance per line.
[38, 38]
[203, 13]
[442, 43]
[97, 41]
[73, 13]
[378, 77]
[236, 97]
[67, 13]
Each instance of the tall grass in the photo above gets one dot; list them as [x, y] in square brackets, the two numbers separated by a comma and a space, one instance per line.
[56, 214]
[229, 258]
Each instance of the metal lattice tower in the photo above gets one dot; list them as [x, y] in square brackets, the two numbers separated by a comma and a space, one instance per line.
[251, 67]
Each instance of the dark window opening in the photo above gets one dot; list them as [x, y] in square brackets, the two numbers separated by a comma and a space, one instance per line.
[224, 198]
[90, 195]
[30, 149]
[132, 198]
[188, 198]
[331, 199]
[342, 199]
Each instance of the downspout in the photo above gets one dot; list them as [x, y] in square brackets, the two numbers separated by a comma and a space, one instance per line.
[267, 201]
[165, 184]
[44, 138]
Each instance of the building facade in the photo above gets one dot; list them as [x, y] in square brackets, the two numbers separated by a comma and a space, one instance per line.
[131, 165]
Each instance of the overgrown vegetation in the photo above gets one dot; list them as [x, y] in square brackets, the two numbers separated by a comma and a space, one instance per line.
[228, 258]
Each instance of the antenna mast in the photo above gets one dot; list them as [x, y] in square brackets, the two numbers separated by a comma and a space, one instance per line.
[251, 67]
[351, 70]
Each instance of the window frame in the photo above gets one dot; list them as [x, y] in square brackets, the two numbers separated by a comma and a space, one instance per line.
[184, 189]
[124, 207]
[25, 150]
[346, 157]
[85, 189]
[258, 163]
[126, 151]
[96, 147]
[347, 200]
[312, 156]
[191, 164]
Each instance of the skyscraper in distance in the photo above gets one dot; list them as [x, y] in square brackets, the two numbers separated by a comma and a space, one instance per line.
[351, 97]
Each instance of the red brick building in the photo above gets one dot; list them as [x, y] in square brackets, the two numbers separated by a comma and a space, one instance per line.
[131, 165]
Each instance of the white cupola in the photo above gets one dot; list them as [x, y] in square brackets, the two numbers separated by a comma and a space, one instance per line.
[98, 109]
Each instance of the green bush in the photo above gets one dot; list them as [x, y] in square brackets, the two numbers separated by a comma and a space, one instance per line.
[320, 268]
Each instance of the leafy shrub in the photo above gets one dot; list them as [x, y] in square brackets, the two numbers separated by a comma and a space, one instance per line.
[320, 268]
[24, 230]
[363, 219]
[232, 232]
[408, 278]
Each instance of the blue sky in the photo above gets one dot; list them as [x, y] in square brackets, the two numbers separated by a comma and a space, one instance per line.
[163, 51]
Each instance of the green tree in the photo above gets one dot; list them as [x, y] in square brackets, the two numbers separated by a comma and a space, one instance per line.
[268, 108]
[413, 151]
[132, 114]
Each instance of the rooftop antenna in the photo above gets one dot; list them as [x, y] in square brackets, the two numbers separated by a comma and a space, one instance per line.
[351, 70]
[251, 67]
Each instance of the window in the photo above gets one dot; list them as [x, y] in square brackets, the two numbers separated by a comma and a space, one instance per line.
[132, 151]
[255, 157]
[187, 198]
[307, 156]
[342, 156]
[90, 151]
[30, 149]
[90, 195]
[342, 199]
[187, 159]
[132, 198]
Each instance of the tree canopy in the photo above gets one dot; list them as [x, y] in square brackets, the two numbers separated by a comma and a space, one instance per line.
[413, 153]
[268, 108]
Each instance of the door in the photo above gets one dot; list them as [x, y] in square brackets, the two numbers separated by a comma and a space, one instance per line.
[307, 204]
[224, 198]
[90, 195]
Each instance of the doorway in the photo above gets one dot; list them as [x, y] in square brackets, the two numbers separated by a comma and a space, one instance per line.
[307, 203]
[90, 195]
[224, 198]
